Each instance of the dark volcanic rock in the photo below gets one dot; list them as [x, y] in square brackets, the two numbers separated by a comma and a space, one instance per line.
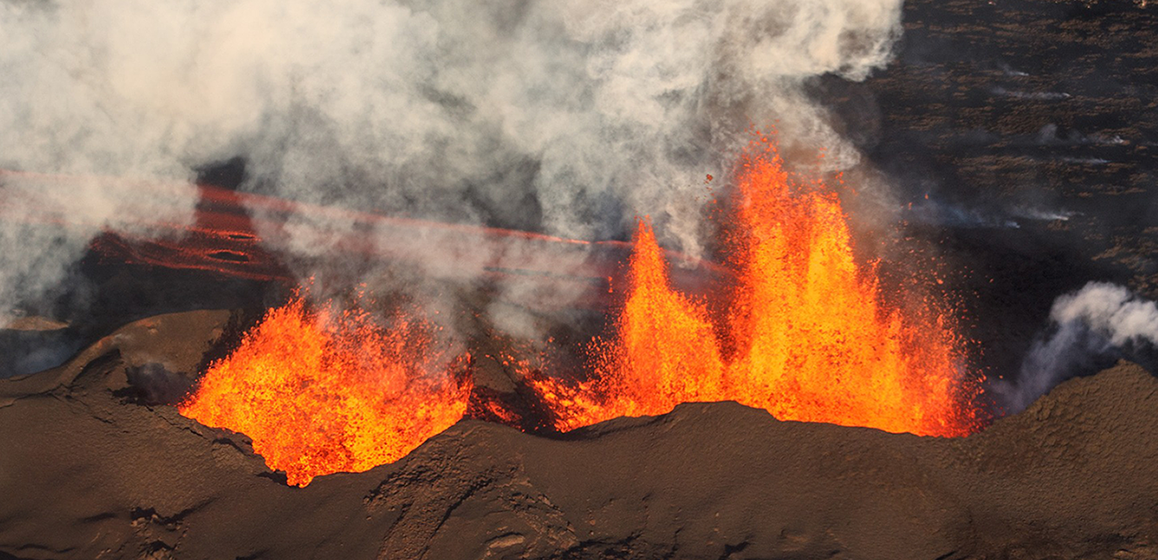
[1021, 135]
[89, 472]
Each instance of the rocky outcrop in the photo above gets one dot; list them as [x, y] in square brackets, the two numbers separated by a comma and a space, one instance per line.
[92, 470]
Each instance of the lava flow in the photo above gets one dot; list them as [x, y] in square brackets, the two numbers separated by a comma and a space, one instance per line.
[807, 337]
[321, 392]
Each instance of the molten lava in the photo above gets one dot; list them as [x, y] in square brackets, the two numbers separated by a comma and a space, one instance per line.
[321, 392]
[807, 336]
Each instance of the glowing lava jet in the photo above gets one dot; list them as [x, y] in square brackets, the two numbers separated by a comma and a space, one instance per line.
[325, 392]
[806, 338]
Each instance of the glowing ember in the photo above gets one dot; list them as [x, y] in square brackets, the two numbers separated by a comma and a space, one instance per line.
[321, 392]
[807, 338]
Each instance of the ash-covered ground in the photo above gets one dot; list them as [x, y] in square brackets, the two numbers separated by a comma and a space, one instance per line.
[95, 471]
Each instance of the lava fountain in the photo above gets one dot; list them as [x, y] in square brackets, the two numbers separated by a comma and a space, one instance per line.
[321, 392]
[806, 337]
[801, 330]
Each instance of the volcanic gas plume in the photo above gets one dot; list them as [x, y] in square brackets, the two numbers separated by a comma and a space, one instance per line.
[805, 336]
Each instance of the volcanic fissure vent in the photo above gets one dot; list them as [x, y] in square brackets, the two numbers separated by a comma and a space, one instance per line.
[804, 335]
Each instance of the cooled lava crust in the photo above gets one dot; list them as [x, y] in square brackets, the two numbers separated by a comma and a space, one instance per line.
[92, 469]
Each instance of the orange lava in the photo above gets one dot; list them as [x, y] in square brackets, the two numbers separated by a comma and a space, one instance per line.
[806, 336]
[802, 331]
[321, 392]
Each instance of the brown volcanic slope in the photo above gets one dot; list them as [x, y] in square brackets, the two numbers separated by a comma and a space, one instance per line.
[90, 471]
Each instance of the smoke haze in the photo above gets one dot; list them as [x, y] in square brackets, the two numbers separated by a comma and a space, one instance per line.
[564, 117]
[1091, 323]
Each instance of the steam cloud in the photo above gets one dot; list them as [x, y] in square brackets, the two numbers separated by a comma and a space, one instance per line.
[566, 117]
[1095, 320]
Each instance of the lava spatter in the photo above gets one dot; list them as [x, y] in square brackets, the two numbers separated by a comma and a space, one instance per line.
[806, 336]
[321, 392]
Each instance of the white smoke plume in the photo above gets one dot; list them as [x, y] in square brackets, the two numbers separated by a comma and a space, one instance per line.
[1099, 318]
[47, 222]
[568, 117]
